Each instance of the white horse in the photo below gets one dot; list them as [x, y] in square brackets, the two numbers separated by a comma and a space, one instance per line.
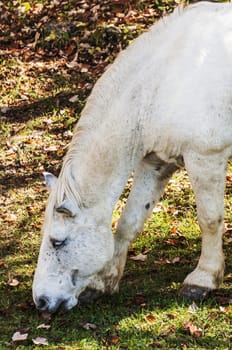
[164, 103]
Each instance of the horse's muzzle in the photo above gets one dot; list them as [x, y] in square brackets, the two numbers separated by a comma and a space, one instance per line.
[46, 304]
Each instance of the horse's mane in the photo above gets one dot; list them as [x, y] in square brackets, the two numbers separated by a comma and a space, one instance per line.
[67, 187]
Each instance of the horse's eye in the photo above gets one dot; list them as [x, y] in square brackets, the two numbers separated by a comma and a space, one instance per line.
[57, 243]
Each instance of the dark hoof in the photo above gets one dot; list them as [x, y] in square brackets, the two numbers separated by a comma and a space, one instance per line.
[89, 295]
[193, 292]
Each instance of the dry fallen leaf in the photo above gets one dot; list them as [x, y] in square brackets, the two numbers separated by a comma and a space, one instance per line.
[13, 282]
[74, 98]
[88, 325]
[225, 309]
[148, 250]
[40, 341]
[43, 326]
[150, 318]
[72, 64]
[193, 329]
[172, 241]
[10, 217]
[114, 340]
[139, 257]
[18, 336]
[51, 148]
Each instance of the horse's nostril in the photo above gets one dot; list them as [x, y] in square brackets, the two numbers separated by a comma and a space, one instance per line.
[74, 277]
[42, 303]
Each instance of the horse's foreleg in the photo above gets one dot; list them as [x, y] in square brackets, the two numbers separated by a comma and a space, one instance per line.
[150, 178]
[207, 175]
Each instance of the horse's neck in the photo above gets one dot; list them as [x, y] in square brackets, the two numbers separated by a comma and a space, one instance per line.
[108, 141]
[102, 157]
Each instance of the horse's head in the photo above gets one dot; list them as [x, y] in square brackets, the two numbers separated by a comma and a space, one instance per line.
[75, 248]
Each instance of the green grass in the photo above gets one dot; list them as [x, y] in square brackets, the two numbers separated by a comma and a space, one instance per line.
[34, 133]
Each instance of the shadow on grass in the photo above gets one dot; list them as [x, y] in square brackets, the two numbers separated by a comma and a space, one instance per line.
[9, 182]
[27, 111]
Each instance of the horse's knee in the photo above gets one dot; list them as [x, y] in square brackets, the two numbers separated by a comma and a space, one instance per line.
[211, 223]
[129, 226]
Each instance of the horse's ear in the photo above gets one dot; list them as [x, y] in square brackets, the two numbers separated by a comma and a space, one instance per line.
[67, 208]
[50, 180]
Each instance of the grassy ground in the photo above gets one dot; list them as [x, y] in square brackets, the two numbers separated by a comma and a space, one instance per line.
[51, 54]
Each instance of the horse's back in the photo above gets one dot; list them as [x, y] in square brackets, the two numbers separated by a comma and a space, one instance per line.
[190, 78]
[175, 81]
